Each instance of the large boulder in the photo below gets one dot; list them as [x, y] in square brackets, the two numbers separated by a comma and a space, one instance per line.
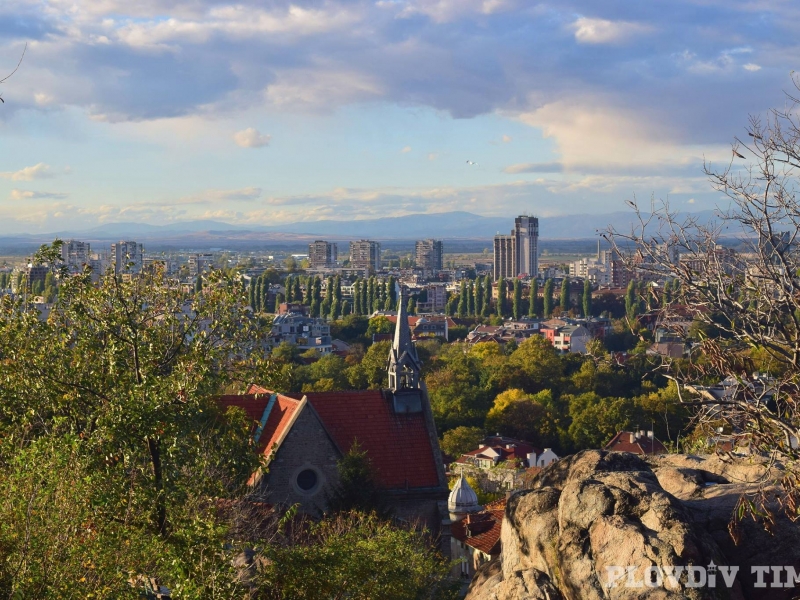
[599, 525]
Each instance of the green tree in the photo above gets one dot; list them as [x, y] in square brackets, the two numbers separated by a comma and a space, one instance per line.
[357, 489]
[565, 303]
[198, 284]
[548, 297]
[478, 299]
[487, 296]
[461, 440]
[533, 299]
[516, 307]
[391, 285]
[411, 307]
[463, 303]
[502, 295]
[587, 298]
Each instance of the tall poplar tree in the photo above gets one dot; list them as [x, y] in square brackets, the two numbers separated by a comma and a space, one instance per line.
[534, 299]
[462, 299]
[501, 297]
[548, 297]
[516, 307]
[478, 293]
[487, 296]
[587, 298]
[565, 304]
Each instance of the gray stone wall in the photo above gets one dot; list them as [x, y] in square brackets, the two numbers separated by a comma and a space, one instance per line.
[307, 446]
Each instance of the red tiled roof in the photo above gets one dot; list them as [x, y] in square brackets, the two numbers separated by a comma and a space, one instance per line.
[398, 445]
[482, 530]
[641, 445]
[254, 405]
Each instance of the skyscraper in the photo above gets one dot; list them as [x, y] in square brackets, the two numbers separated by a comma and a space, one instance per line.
[75, 254]
[428, 255]
[322, 254]
[365, 254]
[518, 253]
[526, 231]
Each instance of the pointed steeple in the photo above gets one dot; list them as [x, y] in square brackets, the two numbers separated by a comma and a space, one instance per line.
[404, 365]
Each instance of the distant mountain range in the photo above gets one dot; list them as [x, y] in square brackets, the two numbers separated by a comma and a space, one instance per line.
[457, 225]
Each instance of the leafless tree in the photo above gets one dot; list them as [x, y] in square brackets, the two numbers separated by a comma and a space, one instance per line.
[739, 282]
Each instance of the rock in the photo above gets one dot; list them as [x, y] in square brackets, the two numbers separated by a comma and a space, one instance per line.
[586, 517]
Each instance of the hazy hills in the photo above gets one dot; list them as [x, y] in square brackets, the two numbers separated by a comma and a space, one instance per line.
[457, 225]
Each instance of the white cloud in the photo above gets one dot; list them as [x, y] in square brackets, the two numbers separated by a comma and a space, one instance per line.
[31, 195]
[37, 171]
[600, 31]
[406, 149]
[433, 156]
[506, 139]
[751, 67]
[251, 138]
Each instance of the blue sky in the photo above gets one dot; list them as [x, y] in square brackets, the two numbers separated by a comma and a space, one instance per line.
[275, 111]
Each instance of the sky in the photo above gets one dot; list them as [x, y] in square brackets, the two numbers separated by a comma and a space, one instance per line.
[269, 112]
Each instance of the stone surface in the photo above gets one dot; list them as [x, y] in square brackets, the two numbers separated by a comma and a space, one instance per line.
[594, 511]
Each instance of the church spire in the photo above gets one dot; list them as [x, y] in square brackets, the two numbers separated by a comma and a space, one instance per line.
[404, 365]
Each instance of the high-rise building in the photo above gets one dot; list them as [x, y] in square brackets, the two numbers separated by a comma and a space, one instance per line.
[526, 231]
[199, 263]
[505, 250]
[322, 255]
[127, 257]
[365, 254]
[518, 253]
[428, 255]
[75, 254]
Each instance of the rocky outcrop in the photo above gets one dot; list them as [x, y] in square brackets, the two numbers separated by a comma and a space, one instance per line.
[591, 515]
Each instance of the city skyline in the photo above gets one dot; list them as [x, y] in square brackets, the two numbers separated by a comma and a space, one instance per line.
[303, 111]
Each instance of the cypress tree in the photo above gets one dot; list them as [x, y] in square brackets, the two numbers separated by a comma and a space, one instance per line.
[478, 297]
[264, 288]
[487, 296]
[565, 304]
[516, 307]
[471, 299]
[364, 297]
[289, 287]
[392, 293]
[587, 298]
[548, 297]
[357, 297]
[309, 292]
[251, 294]
[325, 309]
[462, 299]
[501, 297]
[278, 302]
[316, 297]
[533, 301]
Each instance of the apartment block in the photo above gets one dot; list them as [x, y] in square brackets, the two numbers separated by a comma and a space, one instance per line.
[365, 254]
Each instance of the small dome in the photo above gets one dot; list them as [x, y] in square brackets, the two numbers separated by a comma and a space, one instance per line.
[463, 498]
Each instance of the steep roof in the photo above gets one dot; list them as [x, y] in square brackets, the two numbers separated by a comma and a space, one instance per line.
[398, 445]
[272, 415]
[482, 530]
[640, 445]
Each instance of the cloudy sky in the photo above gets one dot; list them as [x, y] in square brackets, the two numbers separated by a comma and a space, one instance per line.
[275, 111]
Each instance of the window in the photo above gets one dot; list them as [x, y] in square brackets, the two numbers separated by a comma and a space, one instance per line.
[307, 480]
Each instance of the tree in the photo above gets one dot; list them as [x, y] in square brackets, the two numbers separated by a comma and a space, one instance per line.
[198, 284]
[461, 440]
[380, 324]
[565, 303]
[502, 296]
[411, 307]
[391, 284]
[316, 297]
[487, 296]
[478, 301]
[587, 298]
[113, 395]
[533, 299]
[471, 299]
[357, 489]
[462, 300]
[357, 297]
[548, 297]
[516, 307]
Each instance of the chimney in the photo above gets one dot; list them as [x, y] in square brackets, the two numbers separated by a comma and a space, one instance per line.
[650, 434]
[633, 438]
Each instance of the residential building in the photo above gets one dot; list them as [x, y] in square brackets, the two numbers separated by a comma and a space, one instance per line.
[637, 442]
[306, 333]
[500, 463]
[365, 254]
[322, 255]
[76, 254]
[428, 255]
[568, 338]
[517, 331]
[517, 254]
[127, 257]
[302, 436]
[474, 530]
[436, 299]
[200, 263]
[505, 250]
